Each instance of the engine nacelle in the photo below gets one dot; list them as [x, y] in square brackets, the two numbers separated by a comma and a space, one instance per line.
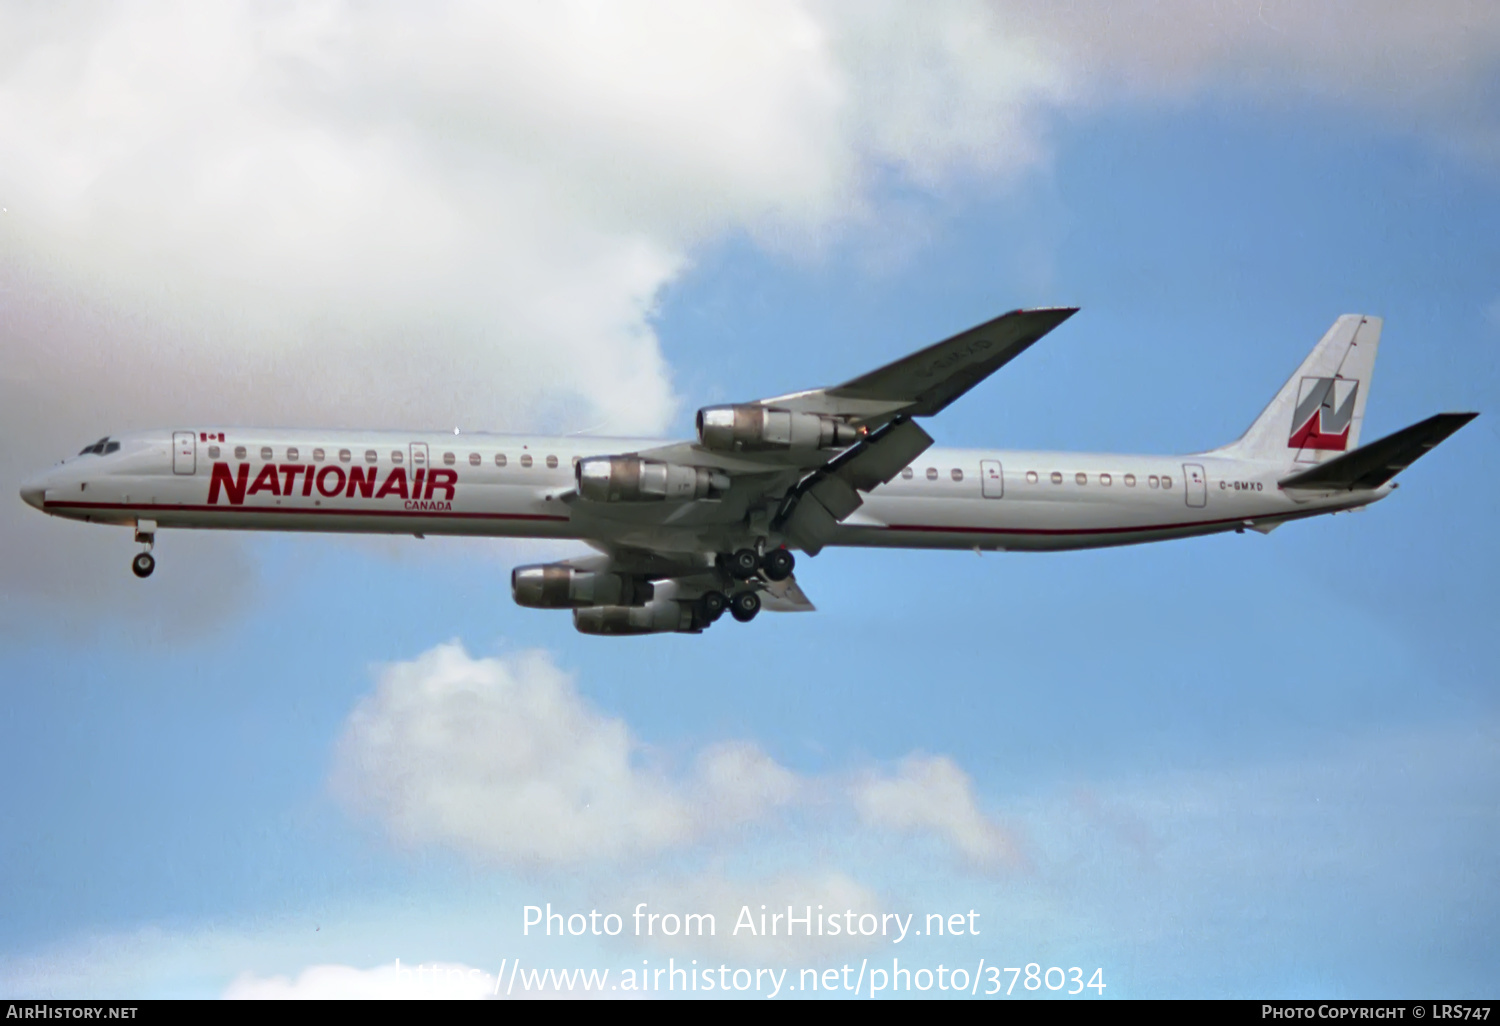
[659, 616]
[632, 479]
[555, 586]
[751, 428]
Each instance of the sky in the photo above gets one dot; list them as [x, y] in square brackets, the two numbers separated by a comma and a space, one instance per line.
[1237, 766]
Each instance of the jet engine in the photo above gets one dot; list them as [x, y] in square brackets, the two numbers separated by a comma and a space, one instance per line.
[753, 428]
[557, 586]
[659, 616]
[632, 479]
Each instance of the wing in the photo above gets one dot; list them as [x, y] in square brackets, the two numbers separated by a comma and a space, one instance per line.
[792, 467]
[927, 381]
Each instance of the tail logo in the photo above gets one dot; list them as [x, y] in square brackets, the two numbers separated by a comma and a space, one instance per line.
[1325, 411]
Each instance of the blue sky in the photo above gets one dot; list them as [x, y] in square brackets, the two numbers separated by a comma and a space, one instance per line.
[1232, 766]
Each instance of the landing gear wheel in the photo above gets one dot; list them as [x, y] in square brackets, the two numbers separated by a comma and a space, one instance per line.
[143, 564]
[778, 564]
[711, 605]
[744, 605]
[743, 563]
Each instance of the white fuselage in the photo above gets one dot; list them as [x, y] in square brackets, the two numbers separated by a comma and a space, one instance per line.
[516, 486]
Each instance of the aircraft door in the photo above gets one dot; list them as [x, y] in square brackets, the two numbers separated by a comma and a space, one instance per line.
[184, 452]
[1197, 485]
[418, 457]
[992, 479]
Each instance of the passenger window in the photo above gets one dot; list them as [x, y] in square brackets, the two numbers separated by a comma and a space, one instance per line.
[1129, 480]
[345, 456]
[239, 452]
[551, 462]
[370, 456]
[396, 456]
[1106, 480]
[526, 460]
[958, 475]
[1082, 479]
[1031, 477]
[906, 475]
[499, 459]
[213, 452]
[318, 455]
[265, 453]
[1056, 477]
[932, 473]
[1153, 481]
[448, 459]
[291, 454]
[1166, 482]
[473, 459]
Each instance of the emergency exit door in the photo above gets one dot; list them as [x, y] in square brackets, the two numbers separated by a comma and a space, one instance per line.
[184, 452]
[992, 479]
[1197, 485]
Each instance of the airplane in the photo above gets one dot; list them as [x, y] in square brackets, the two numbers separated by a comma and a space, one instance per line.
[687, 530]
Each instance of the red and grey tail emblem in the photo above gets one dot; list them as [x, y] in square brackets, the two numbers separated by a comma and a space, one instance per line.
[1325, 412]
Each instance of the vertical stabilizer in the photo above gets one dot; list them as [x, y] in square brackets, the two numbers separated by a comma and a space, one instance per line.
[1319, 411]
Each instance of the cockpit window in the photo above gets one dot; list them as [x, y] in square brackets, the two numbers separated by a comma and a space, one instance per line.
[100, 448]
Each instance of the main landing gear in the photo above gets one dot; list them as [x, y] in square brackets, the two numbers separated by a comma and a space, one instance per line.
[745, 565]
[744, 605]
[711, 605]
[144, 562]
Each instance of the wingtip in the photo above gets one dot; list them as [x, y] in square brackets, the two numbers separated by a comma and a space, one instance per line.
[1056, 314]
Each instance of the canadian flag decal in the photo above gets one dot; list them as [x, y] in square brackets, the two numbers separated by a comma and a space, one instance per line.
[1325, 411]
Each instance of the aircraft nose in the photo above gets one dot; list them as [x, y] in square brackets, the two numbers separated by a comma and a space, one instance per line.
[31, 494]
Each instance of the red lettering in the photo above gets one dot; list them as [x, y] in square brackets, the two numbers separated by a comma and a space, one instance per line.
[416, 483]
[291, 470]
[395, 483]
[338, 484]
[443, 479]
[234, 488]
[267, 481]
[307, 480]
[358, 481]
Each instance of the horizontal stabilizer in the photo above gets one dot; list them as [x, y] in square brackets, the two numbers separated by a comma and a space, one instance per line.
[1371, 466]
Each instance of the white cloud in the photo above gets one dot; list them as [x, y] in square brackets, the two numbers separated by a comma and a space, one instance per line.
[501, 758]
[930, 794]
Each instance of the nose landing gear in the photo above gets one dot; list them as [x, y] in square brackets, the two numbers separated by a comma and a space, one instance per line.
[144, 562]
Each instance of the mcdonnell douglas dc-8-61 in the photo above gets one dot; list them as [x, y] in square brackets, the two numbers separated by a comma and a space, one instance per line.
[687, 530]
